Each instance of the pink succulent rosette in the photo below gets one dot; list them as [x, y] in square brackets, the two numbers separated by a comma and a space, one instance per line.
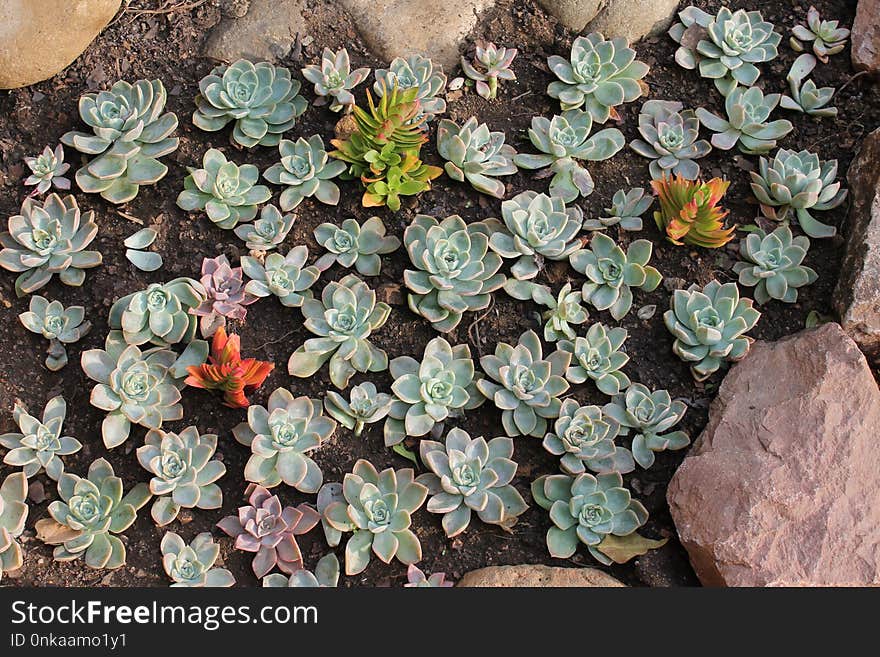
[226, 297]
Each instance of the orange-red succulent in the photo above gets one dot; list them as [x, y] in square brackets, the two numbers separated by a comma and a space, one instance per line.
[689, 211]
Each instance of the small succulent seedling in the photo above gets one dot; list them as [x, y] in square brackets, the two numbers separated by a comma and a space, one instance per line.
[827, 38]
[746, 125]
[13, 515]
[415, 71]
[365, 405]
[225, 295]
[59, 325]
[564, 310]
[134, 253]
[47, 170]
[287, 277]
[690, 212]
[475, 154]
[305, 170]
[489, 65]
[268, 231]
[334, 79]
[416, 579]
[772, 264]
[583, 438]
[39, 445]
[160, 314]
[670, 137]
[326, 575]
[599, 357]
[193, 565]
[352, 244]
[627, 208]
[805, 96]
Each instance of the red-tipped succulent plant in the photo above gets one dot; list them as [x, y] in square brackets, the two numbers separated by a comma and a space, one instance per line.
[225, 295]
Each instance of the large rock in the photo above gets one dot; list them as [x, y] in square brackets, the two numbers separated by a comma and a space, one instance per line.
[536, 577]
[39, 39]
[574, 14]
[866, 37]
[857, 298]
[266, 32]
[632, 19]
[783, 486]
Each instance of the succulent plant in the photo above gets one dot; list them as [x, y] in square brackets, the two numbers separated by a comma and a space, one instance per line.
[266, 528]
[286, 277]
[183, 472]
[428, 392]
[627, 208]
[134, 253]
[411, 178]
[795, 183]
[474, 153]
[689, 212]
[94, 509]
[353, 244]
[585, 509]
[334, 79]
[805, 96]
[599, 357]
[267, 232]
[416, 579]
[228, 193]
[565, 309]
[160, 314]
[261, 99]
[598, 76]
[39, 445]
[670, 137]
[611, 273]
[129, 134]
[13, 515]
[305, 170]
[281, 436]
[57, 324]
[772, 264]
[49, 238]
[650, 415]
[827, 38]
[193, 565]
[415, 71]
[365, 405]
[746, 124]
[538, 227]
[226, 370]
[47, 170]
[455, 272]
[584, 439]
[225, 296]
[490, 64]
[377, 507]
[326, 575]
[470, 475]
[709, 326]
[563, 140]
[528, 385]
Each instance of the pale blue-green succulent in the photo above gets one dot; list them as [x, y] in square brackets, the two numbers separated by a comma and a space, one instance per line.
[334, 79]
[365, 405]
[475, 154]
[39, 445]
[160, 314]
[193, 565]
[354, 245]
[490, 64]
[305, 170]
[773, 264]
[565, 310]
[47, 170]
[415, 71]
[326, 575]
[805, 96]
[746, 125]
[59, 325]
[287, 277]
[13, 515]
[827, 38]
[670, 137]
[598, 357]
[268, 231]
[583, 438]
[627, 208]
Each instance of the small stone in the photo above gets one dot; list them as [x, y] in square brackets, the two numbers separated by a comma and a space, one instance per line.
[455, 83]
[265, 33]
[866, 37]
[574, 14]
[36, 492]
[537, 576]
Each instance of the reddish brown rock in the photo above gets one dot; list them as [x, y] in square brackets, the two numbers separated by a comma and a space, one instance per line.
[537, 576]
[783, 486]
[866, 37]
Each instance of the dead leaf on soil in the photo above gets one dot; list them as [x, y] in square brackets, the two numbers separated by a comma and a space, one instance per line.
[621, 549]
[53, 533]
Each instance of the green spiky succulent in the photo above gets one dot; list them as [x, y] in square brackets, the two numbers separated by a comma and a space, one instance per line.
[490, 64]
[57, 324]
[281, 436]
[746, 125]
[627, 208]
[565, 310]
[343, 320]
[377, 507]
[563, 140]
[159, 314]
[267, 232]
[709, 326]
[353, 244]
[39, 445]
[129, 134]
[365, 405]
[598, 76]
[598, 357]
[305, 170]
[334, 79]
[226, 192]
[612, 274]
[193, 565]
[471, 475]
[428, 392]
[827, 38]
[183, 472]
[261, 99]
[583, 438]
[796, 183]
[13, 515]
[805, 96]
[528, 385]
[475, 154]
[415, 71]
[772, 264]
[287, 277]
[650, 415]
[49, 238]
[326, 575]
[95, 510]
[455, 270]
[670, 137]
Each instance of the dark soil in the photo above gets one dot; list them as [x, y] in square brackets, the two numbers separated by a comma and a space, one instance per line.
[167, 46]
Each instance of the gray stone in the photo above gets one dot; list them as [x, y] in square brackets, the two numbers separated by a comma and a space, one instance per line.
[266, 32]
[574, 14]
[866, 37]
[631, 19]
[537, 576]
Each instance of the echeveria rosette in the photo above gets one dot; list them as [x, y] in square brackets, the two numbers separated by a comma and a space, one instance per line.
[528, 385]
[160, 314]
[475, 154]
[709, 326]
[490, 64]
[583, 438]
[598, 357]
[193, 565]
[39, 443]
[747, 125]
[261, 99]
[455, 271]
[365, 405]
[305, 171]
[95, 509]
[59, 325]
[269, 530]
[334, 79]
[585, 509]
[827, 38]
[649, 415]
[670, 137]
[565, 310]
[13, 515]
[805, 96]
[267, 232]
[47, 170]
[225, 295]
[772, 264]
[377, 507]
[49, 238]
[627, 208]
[611, 273]
[326, 575]
[598, 76]
[538, 227]
[352, 244]
[281, 436]
[415, 71]
[470, 475]
[417, 579]
[183, 472]
[428, 392]
[287, 277]
[343, 320]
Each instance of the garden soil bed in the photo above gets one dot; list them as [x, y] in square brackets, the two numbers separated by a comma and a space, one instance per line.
[167, 46]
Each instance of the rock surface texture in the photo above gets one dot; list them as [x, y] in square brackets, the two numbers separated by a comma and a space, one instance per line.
[858, 291]
[783, 486]
[632, 19]
[866, 37]
[39, 39]
[537, 576]
[266, 32]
